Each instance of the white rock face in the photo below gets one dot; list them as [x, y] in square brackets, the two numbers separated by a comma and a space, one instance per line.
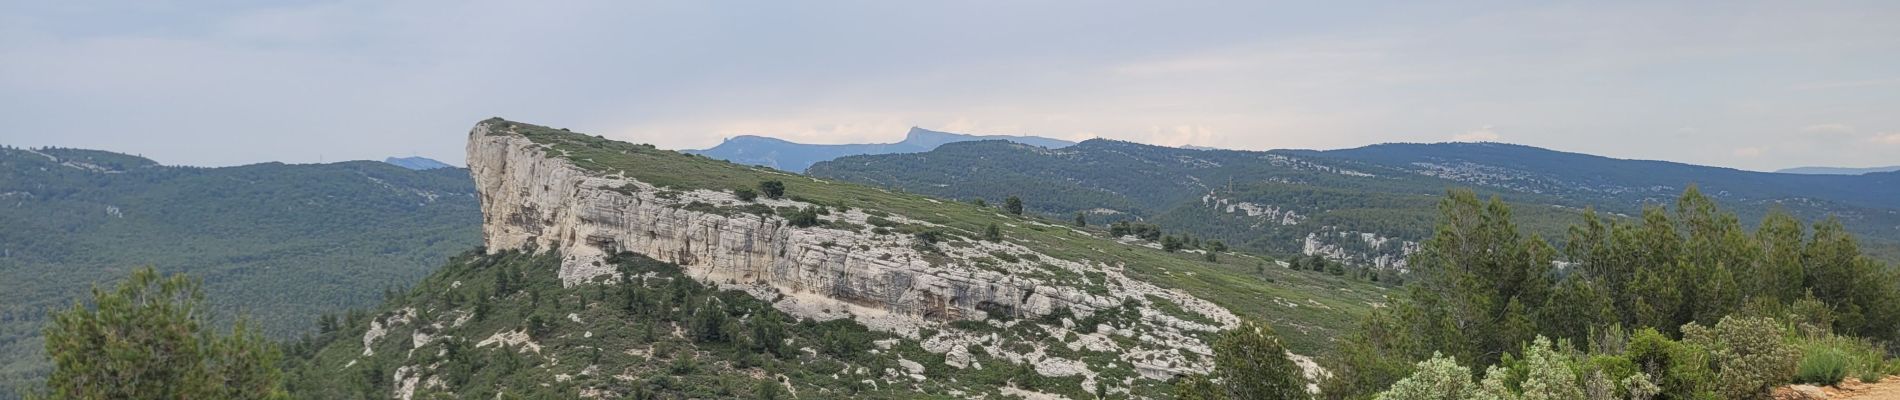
[1359, 247]
[534, 200]
[1267, 214]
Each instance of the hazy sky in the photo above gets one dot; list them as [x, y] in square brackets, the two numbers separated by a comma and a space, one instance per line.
[1753, 86]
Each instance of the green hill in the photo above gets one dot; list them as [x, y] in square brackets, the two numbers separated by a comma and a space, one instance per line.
[280, 243]
[1363, 206]
[1130, 315]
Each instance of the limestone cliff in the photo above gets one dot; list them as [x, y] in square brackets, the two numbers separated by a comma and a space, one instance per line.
[533, 196]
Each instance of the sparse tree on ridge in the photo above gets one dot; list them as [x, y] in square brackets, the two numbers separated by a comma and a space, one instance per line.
[772, 189]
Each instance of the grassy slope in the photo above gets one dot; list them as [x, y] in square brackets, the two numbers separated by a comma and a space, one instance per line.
[1324, 306]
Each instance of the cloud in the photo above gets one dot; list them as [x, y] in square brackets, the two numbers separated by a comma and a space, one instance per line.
[340, 79]
[1891, 138]
[1182, 135]
[1749, 152]
[1828, 129]
[1485, 134]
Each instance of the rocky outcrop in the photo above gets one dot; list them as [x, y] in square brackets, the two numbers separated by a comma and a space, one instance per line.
[533, 198]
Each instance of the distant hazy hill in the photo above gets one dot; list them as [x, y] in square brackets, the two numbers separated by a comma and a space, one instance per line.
[281, 243]
[417, 163]
[795, 157]
[1362, 205]
[1838, 170]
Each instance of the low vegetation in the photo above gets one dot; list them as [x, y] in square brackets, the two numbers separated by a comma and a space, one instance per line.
[1719, 312]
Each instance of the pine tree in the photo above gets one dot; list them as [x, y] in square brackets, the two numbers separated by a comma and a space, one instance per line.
[145, 339]
[992, 233]
[1014, 205]
[1081, 219]
[1252, 364]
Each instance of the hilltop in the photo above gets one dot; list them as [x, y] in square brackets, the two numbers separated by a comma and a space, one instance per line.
[608, 265]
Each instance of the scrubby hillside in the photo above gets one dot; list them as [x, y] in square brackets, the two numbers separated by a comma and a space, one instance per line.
[869, 291]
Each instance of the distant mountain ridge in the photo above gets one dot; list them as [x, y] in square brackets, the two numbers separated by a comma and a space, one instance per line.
[796, 157]
[417, 163]
[1837, 170]
[1361, 205]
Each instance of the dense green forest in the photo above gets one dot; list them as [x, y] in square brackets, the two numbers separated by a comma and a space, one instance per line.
[278, 242]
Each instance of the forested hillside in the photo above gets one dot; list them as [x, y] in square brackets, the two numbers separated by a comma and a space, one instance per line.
[281, 243]
[904, 303]
[623, 271]
[1364, 206]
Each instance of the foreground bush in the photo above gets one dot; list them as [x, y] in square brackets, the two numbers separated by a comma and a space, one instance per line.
[1250, 363]
[1440, 378]
[1822, 366]
[1829, 359]
[147, 339]
[1750, 355]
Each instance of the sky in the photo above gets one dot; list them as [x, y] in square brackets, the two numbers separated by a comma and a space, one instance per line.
[1740, 84]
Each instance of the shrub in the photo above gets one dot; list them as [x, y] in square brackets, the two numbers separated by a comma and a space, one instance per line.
[1252, 364]
[772, 189]
[803, 218]
[1827, 359]
[1822, 366]
[1681, 370]
[1749, 354]
[745, 194]
[1640, 387]
[1439, 378]
[1549, 374]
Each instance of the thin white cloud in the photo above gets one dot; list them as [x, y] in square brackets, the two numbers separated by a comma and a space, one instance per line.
[1892, 138]
[341, 79]
[1485, 134]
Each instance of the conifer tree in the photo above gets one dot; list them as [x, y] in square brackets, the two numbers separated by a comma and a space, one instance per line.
[146, 339]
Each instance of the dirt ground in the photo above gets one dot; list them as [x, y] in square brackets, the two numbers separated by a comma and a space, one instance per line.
[1886, 389]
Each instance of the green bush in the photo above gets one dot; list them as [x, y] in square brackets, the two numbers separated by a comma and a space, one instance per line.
[1681, 370]
[1749, 353]
[1871, 376]
[772, 189]
[1829, 359]
[1439, 378]
[1822, 366]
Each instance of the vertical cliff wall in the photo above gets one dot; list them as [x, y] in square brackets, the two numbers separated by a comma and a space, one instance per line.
[534, 197]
